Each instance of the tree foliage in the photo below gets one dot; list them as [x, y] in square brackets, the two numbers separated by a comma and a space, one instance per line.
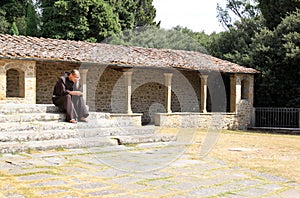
[152, 37]
[13, 9]
[93, 20]
[250, 41]
[277, 55]
[14, 29]
[19, 17]
[32, 20]
[145, 13]
[4, 25]
[90, 20]
[237, 10]
[125, 10]
[276, 10]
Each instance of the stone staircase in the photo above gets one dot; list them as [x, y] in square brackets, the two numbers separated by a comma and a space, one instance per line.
[42, 127]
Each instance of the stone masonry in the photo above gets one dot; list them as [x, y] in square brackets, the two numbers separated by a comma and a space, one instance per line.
[47, 75]
[106, 90]
[21, 74]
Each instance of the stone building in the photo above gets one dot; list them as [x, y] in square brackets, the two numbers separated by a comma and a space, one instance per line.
[173, 88]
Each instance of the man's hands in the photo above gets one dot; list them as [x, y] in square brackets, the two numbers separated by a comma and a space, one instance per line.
[76, 93]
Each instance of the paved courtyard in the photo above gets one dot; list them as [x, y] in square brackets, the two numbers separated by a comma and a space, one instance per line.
[144, 170]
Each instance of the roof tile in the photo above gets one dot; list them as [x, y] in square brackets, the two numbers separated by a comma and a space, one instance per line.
[24, 47]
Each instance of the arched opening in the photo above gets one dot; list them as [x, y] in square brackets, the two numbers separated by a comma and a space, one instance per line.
[15, 83]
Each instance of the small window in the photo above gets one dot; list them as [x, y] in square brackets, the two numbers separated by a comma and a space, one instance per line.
[15, 82]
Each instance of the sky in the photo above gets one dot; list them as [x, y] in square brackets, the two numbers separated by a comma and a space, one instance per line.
[197, 15]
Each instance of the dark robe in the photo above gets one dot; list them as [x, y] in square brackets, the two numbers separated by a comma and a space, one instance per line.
[73, 105]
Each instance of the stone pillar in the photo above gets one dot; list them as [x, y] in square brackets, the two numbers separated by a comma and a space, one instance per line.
[235, 92]
[253, 118]
[251, 89]
[168, 84]
[30, 80]
[83, 78]
[2, 81]
[128, 76]
[203, 93]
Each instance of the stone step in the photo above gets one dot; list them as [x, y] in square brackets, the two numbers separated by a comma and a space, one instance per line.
[79, 142]
[38, 135]
[137, 139]
[31, 117]
[26, 136]
[95, 119]
[27, 108]
[112, 131]
[14, 147]
[36, 126]
[30, 108]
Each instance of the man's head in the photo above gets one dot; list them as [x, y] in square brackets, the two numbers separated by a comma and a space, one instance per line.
[74, 75]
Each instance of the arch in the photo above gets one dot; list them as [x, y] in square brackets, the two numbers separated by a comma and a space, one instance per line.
[15, 83]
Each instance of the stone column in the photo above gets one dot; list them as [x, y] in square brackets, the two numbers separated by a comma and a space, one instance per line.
[2, 81]
[83, 78]
[128, 77]
[251, 89]
[29, 67]
[203, 93]
[168, 84]
[235, 92]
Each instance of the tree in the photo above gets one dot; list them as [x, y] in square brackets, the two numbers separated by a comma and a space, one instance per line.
[14, 29]
[234, 44]
[20, 15]
[145, 13]
[152, 37]
[32, 20]
[275, 52]
[93, 20]
[125, 10]
[90, 20]
[4, 25]
[276, 10]
[277, 55]
[13, 9]
[134, 13]
[237, 10]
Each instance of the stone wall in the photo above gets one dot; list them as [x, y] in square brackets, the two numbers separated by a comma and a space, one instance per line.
[106, 91]
[149, 99]
[47, 75]
[244, 113]
[240, 120]
[197, 120]
[21, 74]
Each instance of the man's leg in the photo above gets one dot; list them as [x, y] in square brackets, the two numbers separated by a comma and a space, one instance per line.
[80, 107]
[65, 104]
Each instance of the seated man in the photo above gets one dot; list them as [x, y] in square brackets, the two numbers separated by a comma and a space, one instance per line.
[67, 95]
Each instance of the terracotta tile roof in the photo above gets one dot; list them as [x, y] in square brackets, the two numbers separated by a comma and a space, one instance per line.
[24, 47]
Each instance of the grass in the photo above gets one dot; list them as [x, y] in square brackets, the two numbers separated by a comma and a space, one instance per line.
[270, 153]
[60, 148]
